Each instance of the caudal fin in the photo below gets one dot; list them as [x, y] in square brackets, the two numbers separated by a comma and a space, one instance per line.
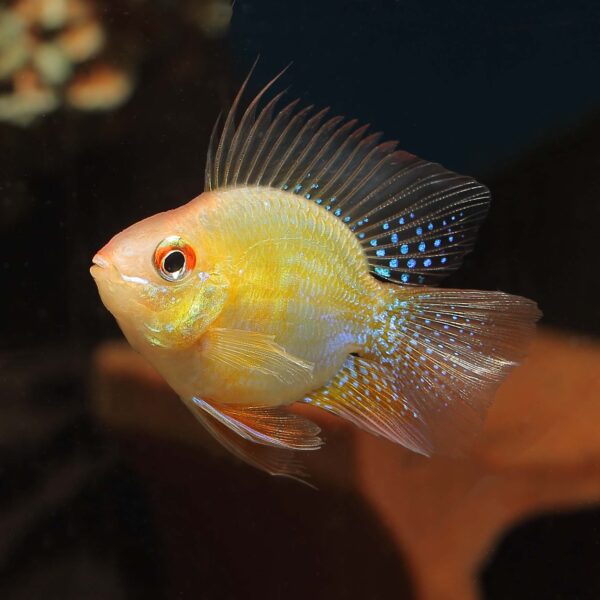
[434, 362]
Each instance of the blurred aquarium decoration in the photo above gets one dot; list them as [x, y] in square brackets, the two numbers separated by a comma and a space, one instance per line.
[110, 489]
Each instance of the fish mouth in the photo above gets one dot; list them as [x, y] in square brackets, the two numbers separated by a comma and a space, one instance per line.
[99, 265]
[100, 261]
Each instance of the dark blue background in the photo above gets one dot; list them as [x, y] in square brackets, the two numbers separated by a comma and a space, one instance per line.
[471, 84]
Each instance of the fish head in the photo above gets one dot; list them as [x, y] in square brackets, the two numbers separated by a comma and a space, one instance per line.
[155, 278]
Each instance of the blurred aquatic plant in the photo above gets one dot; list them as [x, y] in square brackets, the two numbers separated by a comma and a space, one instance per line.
[71, 53]
[212, 17]
[50, 54]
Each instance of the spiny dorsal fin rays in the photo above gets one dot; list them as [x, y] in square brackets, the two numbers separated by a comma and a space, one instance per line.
[389, 196]
[332, 149]
[364, 174]
[273, 132]
[304, 141]
[285, 145]
[225, 142]
[346, 154]
[362, 152]
[414, 219]
[252, 148]
[241, 138]
[209, 182]
[322, 140]
[226, 149]
[380, 181]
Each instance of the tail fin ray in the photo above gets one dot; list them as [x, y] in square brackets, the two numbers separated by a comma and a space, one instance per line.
[440, 355]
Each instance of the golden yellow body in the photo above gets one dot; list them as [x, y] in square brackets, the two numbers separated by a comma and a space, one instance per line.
[283, 267]
[261, 292]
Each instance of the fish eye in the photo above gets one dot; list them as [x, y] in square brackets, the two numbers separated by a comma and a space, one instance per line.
[174, 259]
[174, 262]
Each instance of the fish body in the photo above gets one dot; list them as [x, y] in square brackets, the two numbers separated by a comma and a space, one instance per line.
[305, 273]
[306, 284]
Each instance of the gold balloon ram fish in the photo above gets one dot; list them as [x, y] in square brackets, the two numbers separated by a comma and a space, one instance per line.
[306, 272]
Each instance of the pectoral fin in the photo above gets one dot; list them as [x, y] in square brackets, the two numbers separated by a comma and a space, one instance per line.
[239, 349]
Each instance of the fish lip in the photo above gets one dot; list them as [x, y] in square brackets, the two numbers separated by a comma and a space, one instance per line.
[100, 261]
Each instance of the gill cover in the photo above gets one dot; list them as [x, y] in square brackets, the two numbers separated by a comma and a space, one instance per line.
[183, 312]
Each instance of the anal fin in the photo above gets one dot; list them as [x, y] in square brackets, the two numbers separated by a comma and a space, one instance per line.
[429, 375]
[368, 395]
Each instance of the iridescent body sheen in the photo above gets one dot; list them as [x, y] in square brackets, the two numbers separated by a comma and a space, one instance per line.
[306, 283]
[260, 292]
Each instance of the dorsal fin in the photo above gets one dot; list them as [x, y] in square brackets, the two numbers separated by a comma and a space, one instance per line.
[415, 219]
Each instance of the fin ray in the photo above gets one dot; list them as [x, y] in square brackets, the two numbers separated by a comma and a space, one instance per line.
[243, 137]
[432, 367]
[272, 460]
[366, 394]
[267, 425]
[240, 349]
[415, 219]
[451, 349]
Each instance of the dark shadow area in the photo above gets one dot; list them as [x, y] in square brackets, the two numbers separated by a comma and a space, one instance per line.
[537, 239]
[229, 531]
[553, 557]
[84, 514]
[74, 521]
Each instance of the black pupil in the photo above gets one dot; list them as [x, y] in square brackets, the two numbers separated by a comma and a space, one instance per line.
[175, 261]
